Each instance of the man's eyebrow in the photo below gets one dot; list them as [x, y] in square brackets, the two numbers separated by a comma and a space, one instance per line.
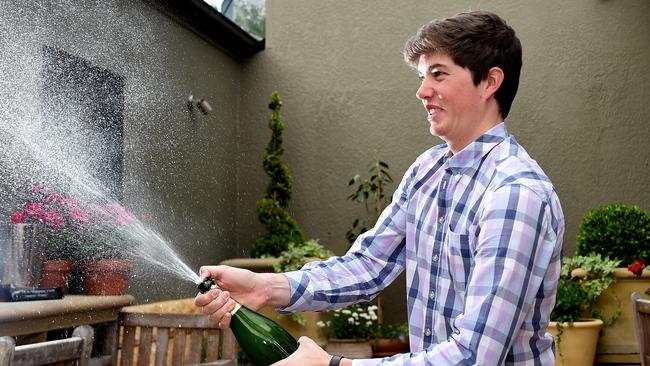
[431, 68]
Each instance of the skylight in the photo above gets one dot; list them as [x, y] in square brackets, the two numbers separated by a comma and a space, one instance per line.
[250, 15]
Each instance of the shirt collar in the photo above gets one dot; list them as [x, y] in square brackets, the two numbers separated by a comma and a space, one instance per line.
[474, 152]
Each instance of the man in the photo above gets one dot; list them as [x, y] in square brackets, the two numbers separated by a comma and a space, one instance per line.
[475, 223]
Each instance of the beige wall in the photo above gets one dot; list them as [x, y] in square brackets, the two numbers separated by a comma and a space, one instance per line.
[582, 110]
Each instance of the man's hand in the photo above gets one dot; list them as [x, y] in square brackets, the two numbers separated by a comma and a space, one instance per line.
[253, 290]
[308, 354]
[243, 285]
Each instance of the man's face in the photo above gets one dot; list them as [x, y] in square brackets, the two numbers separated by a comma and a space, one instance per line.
[453, 103]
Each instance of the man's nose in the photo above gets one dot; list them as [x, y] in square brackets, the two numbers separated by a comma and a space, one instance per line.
[425, 91]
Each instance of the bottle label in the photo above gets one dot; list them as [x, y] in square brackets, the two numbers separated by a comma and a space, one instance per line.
[237, 307]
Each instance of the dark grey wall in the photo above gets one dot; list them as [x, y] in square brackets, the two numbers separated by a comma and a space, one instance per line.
[179, 168]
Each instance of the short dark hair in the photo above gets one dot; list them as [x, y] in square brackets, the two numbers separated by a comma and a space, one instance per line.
[478, 41]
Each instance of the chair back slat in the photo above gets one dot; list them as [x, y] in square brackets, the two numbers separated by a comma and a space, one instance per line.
[213, 345]
[7, 345]
[641, 311]
[75, 350]
[164, 339]
[144, 347]
[195, 345]
[179, 346]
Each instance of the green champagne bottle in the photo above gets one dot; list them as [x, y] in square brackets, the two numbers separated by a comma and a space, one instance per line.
[263, 340]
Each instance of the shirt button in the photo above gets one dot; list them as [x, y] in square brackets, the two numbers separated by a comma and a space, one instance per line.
[432, 295]
[435, 258]
[427, 332]
[441, 219]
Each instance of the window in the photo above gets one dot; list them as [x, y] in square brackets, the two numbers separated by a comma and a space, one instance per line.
[235, 26]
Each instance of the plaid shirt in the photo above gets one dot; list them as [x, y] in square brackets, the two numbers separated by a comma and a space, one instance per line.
[479, 234]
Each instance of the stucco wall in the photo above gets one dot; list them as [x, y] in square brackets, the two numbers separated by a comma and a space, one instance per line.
[179, 169]
[581, 110]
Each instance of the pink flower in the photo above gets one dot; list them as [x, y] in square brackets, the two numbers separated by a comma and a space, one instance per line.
[148, 218]
[18, 217]
[71, 203]
[78, 215]
[637, 267]
[124, 218]
[34, 210]
[38, 188]
[54, 198]
[54, 219]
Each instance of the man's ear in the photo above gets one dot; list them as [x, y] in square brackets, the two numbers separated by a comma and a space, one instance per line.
[493, 81]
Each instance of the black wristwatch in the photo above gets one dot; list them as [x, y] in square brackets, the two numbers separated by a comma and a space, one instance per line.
[335, 360]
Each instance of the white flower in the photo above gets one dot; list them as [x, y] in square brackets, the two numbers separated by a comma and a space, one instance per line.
[355, 315]
[320, 323]
[346, 311]
[351, 320]
[368, 323]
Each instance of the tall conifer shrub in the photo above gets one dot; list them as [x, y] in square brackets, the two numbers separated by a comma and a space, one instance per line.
[282, 229]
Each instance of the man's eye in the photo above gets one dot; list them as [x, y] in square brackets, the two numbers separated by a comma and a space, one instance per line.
[436, 74]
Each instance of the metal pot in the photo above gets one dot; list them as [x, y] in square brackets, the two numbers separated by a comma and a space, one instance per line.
[22, 252]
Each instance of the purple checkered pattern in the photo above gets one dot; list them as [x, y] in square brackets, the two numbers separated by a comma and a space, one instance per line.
[479, 234]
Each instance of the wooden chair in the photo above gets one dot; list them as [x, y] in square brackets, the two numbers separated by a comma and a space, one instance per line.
[641, 311]
[71, 351]
[172, 339]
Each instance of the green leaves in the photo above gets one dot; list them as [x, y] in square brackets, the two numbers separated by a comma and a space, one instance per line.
[371, 193]
[582, 280]
[616, 231]
[282, 229]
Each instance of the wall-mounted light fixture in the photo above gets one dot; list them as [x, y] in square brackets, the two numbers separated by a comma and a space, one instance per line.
[201, 104]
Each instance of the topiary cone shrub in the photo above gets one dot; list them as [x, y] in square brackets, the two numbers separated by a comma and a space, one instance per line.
[282, 229]
[616, 231]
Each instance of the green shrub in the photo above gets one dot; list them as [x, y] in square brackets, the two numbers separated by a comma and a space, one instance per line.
[297, 255]
[582, 280]
[282, 229]
[616, 231]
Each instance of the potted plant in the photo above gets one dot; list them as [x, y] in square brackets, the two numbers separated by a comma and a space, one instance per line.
[390, 339]
[620, 232]
[350, 329]
[282, 229]
[371, 192]
[65, 222]
[575, 319]
[105, 267]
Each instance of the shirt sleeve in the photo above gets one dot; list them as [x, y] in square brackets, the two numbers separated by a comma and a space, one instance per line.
[514, 247]
[375, 259]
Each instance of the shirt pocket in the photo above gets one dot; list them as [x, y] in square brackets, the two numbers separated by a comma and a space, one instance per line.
[459, 259]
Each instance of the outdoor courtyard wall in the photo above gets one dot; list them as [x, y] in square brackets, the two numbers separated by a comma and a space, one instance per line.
[582, 109]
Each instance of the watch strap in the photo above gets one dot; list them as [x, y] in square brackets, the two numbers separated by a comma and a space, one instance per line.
[335, 360]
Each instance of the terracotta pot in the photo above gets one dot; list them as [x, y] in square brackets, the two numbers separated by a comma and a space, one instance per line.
[385, 347]
[56, 273]
[108, 277]
[576, 346]
[349, 348]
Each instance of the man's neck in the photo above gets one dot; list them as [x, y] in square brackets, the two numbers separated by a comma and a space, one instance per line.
[486, 123]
